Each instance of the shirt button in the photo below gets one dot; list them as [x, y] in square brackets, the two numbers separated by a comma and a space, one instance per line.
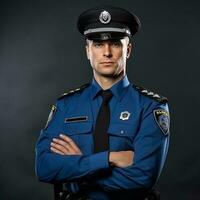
[122, 132]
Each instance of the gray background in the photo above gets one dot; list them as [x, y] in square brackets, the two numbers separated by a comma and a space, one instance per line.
[42, 55]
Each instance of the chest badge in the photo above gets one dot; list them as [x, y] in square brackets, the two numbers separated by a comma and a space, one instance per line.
[125, 115]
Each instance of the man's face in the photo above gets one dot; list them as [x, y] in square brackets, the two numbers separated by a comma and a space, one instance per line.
[108, 58]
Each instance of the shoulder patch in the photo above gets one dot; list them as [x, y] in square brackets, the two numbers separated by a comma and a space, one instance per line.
[79, 89]
[51, 115]
[161, 117]
[150, 94]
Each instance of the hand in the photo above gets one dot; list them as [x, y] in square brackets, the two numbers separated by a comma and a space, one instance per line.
[65, 146]
[121, 158]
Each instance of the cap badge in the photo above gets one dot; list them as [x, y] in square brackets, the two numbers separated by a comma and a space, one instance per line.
[105, 17]
[125, 115]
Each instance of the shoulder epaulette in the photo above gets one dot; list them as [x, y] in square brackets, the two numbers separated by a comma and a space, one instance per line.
[150, 94]
[79, 89]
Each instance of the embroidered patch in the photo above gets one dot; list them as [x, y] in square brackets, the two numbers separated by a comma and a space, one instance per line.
[76, 119]
[51, 115]
[162, 119]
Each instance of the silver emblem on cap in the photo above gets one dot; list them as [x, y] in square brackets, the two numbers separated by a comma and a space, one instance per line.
[105, 17]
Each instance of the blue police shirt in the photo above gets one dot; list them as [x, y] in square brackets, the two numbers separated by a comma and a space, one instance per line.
[139, 122]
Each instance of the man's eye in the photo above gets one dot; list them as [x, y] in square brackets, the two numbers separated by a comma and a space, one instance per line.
[116, 44]
[97, 44]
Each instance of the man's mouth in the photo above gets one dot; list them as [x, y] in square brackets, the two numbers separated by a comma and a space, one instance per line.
[107, 62]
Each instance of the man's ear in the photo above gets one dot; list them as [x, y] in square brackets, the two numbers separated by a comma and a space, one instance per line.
[129, 48]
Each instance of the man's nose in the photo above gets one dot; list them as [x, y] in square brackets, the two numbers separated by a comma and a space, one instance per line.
[107, 50]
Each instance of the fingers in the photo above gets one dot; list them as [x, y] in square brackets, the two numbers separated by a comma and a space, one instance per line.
[59, 148]
[65, 146]
[57, 151]
[71, 143]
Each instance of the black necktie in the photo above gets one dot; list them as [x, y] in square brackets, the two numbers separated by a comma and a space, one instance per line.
[101, 140]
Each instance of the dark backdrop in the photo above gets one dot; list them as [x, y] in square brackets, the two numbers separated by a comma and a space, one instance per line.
[42, 55]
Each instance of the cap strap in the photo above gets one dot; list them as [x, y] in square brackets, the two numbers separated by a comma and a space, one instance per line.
[110, 29]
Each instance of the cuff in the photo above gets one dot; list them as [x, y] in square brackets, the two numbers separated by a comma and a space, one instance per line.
[99, 160]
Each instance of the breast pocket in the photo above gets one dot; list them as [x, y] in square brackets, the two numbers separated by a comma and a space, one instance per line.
[121, 137]
[81, 134]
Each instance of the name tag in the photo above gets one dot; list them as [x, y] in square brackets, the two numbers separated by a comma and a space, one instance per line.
[76, 119]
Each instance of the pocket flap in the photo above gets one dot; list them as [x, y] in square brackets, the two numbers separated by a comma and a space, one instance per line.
[75, 128]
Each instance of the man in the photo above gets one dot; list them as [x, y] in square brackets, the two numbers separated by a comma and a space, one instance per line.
[107, 139]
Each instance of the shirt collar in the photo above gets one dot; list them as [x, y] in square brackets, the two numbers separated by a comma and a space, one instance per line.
[117, 89]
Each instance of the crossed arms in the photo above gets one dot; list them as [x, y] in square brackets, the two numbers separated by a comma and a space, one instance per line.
[64, 145]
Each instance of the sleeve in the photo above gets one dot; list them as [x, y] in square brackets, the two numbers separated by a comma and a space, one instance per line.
[150, 151]
[51, 167]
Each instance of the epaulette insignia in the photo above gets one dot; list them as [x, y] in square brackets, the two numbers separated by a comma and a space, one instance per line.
[151, 94]
[79, 89]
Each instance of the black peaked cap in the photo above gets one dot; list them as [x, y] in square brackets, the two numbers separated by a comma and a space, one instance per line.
[107, 22]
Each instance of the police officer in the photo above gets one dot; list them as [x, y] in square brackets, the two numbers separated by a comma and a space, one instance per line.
[107, 139]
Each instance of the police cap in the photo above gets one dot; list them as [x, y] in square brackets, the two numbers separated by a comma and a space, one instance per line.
[106, 22]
